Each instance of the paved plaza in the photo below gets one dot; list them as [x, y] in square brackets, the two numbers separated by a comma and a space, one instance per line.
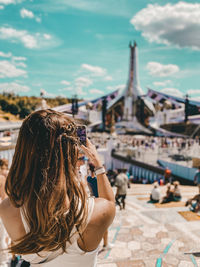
[147, 235]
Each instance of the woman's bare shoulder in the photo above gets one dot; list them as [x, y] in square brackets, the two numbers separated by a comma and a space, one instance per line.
[6, 208]
[4, 205]
[104, 212]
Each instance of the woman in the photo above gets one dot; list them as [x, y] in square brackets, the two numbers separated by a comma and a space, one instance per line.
[176, 191]
[55, 223]
[169, 195]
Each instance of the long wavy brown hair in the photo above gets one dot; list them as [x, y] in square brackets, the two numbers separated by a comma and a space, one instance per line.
[43, 181]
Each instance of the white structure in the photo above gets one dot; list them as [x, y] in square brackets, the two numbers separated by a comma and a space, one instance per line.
[130, 97]
[168, 116]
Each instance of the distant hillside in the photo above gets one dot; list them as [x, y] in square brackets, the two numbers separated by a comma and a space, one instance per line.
[6, 116]
[14, 107]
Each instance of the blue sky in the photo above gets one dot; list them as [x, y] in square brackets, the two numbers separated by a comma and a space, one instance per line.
[67, 47]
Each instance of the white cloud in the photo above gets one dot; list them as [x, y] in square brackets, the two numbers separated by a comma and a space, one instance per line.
[94, 70]
[164, 83]
[193, 92]
[13, 87]
[47, 36]
[19, 58]
[38, 19]
[1, 7]
[20, 64]
[160, 70]
[172, 24]
[96, 91]
[2, 54]
[28, 40]
[172, 91]
[14, 60]
[80, 92]
[26, 13]
[65, 82]
[83, 82]
[108, 78]
[9, 70]
[116, 87]
[80, 83]
[8, 2]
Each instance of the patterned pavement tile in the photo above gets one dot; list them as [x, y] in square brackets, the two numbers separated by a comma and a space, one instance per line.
[144, 235]
[134, 245]
[125, 237]
[185, 264]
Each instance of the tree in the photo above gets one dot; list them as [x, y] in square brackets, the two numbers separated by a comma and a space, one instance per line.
[13, 109]
[4, 104]
[25, 111]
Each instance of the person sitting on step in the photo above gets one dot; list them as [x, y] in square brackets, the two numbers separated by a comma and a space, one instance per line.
[194, 203]
[155, 193]
[169, 195]
[176, 191]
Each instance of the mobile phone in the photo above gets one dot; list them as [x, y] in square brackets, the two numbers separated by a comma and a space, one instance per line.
[81, 133]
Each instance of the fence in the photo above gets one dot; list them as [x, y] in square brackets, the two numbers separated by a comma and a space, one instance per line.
[184, 172]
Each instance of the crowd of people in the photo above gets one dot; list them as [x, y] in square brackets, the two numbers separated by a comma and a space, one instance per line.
[148, 142]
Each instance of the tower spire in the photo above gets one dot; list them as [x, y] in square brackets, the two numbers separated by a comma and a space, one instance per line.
[133, 90]
[133, 86]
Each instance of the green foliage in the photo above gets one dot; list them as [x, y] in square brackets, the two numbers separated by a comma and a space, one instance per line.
[24, 105]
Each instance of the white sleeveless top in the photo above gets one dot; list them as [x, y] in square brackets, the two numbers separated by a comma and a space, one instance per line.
[4, 256]
[75, 257]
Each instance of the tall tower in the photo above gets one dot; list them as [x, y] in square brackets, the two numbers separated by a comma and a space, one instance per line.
[133, 89]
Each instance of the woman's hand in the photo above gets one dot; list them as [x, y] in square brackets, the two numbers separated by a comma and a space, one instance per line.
[91, 153]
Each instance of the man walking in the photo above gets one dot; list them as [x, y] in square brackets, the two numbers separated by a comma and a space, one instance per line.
[121, 183]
